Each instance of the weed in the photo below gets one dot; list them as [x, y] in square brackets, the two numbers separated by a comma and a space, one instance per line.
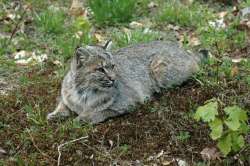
[183, 136]
[233, 117]
[112, 11]
[176, 13]
[245, 3]
[222, 40]
[51, 21]
[124, 148]
[122, 39]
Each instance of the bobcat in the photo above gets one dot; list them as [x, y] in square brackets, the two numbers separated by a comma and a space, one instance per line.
[102, 84]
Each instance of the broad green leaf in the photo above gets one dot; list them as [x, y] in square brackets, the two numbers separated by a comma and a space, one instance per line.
[233, 124]
[225, 144]
[207, 112]
[244, 128]
[217, 128]
[237, 141]
[235, 116]
[236, 112]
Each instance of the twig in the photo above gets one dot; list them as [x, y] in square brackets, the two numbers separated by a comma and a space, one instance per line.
[37, 148]
[17, 25]
[60, 146]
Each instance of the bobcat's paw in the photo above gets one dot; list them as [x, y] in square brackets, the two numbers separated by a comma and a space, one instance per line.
[52, 116]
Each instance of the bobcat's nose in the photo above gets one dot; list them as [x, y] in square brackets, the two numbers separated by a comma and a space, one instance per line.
[111, 77]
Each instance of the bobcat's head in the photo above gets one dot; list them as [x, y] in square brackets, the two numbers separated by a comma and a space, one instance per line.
[93, 68]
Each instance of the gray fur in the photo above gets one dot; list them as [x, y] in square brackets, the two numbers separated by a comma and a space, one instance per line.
[132, 75]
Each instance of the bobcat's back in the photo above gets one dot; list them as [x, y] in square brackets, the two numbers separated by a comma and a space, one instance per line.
[146, 68]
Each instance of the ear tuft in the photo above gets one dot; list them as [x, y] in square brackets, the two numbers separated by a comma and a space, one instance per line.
[108, 45]
[81, 55]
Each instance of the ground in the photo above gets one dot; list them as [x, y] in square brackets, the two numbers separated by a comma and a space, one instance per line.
[37, 40]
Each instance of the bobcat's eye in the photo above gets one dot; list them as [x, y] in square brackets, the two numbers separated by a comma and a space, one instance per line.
[100, 69]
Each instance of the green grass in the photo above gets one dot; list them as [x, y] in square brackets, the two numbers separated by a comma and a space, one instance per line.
[122, 39]
[174, 12]
[51, 21]
[224, 39]
[112, 11]
[54, 33]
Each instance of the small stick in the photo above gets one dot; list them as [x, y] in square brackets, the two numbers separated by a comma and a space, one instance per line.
[60, 146]
[17, 25]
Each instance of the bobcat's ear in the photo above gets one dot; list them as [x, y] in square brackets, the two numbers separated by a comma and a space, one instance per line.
[81, 55]
[108, 45]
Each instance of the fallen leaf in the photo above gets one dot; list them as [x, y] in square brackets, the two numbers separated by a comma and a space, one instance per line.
[222, 14]
[135, 25]
[181, 162]
[111, 143]
[77, 9]
[194, 41]
[217, 24]
[173, 27]
[57, 62]
[164, 163]
[238, 60]
[208, 154]
[78, 34]
[152, 5]
[25, 57]
[187, 2]
[99, 38]
[2, 152]
[159, 154]
[244, 24]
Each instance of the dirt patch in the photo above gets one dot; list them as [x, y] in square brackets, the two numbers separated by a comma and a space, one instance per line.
[134, 138]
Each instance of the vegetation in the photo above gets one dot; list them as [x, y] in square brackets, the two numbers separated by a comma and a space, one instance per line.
[160, 131]
[234, 118]
[112, 11]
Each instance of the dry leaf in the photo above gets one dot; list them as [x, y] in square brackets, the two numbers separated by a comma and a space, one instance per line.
[210, 154]
[222, 14]
[77, 9]
[2, 152]
[57, 63]
[234, 71]
[181, 162]
[194, 41]
[111, 143]
[99, 38]
[164, 163]
[152, 5]
[159, 154]
[135, 25]
[78, 34]
[244, 24]
[25, 57]
[238, 60]
[217, 24]
[187, 2]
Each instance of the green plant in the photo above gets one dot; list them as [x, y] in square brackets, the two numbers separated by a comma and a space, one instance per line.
[51, 21]
[183, 136]
[222, 40]
[112, 11]
[193, 15]
[228, 128]
[122, 39]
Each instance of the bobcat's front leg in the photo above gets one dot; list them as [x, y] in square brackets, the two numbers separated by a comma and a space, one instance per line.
[60, 111]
